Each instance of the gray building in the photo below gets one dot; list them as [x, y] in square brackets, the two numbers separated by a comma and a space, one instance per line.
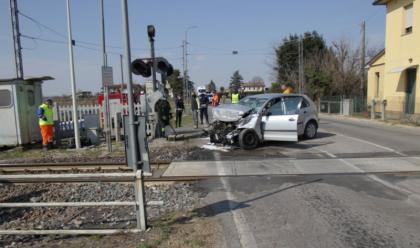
[19, 100]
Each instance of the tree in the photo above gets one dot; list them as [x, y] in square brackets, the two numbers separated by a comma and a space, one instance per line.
[222, 89]
[256, 81]
[211, 86]
[275, 88]
[342, 65]
[176, 82]
[236, 81]
[287, 59]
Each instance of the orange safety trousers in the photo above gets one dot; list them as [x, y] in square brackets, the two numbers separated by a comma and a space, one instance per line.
[47, 132]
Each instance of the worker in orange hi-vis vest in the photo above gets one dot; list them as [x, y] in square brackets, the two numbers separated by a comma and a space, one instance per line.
[46, 124]
[215, 100]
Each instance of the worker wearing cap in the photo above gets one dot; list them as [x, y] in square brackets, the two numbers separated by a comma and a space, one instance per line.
[46, 123]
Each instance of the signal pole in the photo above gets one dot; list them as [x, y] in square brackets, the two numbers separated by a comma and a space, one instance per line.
[139, 189]
[72, 79]
[14, 14]
[362, 59]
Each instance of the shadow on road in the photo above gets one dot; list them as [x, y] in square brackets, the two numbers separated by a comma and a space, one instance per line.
[229, 205]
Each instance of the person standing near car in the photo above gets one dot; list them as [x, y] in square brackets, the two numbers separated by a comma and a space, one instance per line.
[194, 108]
[235, 97]
[286, 89]
[215, 99]
[204, 103]
[179, 106]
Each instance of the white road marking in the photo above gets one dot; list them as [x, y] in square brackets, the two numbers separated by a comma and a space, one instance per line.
[412, 195]
[244, 233]
[323, 151]
[371, 143]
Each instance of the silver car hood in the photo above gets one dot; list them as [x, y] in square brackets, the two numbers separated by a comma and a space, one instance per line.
[230, 112]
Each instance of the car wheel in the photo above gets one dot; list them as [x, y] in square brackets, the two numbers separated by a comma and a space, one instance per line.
[248, 139]
[311, 130]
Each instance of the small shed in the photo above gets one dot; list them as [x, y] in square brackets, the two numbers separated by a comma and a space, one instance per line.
[19, 100]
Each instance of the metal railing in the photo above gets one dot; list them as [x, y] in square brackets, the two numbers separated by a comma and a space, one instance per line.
[139, 203]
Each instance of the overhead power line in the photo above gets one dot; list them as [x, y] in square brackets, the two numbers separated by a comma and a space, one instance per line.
[39, 24]
[42, 25]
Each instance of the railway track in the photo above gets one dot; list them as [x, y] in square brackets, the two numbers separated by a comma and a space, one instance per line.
[158, 168]
[33, 168]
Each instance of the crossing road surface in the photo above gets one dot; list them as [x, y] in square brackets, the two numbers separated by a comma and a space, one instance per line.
[309, 209]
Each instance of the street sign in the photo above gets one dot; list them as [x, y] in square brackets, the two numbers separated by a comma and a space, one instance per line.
[107, 78]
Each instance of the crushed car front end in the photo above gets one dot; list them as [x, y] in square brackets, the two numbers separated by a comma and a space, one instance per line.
[230, 120]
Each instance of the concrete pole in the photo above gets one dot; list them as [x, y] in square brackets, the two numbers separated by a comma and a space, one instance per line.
[184, 72]
[122, 81]
[122, 69]
[186, 78]
[107, 112]
[72, 79]
[362, 60]
[301, 87]
[14, 14]
[127, 62]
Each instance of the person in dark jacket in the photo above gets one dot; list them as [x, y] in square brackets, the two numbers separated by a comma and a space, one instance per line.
[179, 106]
[194, 108]
[204, 103]
[163, 109]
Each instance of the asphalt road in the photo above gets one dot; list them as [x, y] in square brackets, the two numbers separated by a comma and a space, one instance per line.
[327, 210]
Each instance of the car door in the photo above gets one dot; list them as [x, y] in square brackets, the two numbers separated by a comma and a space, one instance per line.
[305, 113]
[280, 120]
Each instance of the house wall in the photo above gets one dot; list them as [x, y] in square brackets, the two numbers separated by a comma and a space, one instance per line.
[402, 50]
[377, 67]
[8, 131]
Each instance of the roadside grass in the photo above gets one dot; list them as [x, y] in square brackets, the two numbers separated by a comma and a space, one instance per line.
[180, 229]
[36, 152]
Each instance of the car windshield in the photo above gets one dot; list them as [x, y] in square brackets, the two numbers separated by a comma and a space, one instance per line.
[253, 102]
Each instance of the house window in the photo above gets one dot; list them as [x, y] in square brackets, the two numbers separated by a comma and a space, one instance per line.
[378, 77]
[5, 99]
[408, 24]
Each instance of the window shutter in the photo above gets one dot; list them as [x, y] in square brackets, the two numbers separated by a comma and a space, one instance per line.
[409, 16]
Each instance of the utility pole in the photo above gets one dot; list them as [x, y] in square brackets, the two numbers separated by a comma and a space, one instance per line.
[301, 68]
[122, 78]
[105, 86]
[184, 70]
[186, 79]
[362, 59]
[72, 79]
[122, 69]
[14, 14]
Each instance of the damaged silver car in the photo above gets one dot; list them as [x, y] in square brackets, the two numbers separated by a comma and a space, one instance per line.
[265, 117]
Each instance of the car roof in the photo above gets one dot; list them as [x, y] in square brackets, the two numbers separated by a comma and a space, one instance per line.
[272, 95]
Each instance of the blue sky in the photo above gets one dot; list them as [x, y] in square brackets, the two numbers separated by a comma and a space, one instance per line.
[250, 27]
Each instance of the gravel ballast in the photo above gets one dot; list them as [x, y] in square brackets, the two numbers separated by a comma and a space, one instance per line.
[169, 197]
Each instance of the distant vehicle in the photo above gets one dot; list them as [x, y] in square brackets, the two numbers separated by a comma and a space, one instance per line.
[264, 117]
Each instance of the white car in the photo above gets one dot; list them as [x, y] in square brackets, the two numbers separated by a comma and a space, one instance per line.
[264, 117]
